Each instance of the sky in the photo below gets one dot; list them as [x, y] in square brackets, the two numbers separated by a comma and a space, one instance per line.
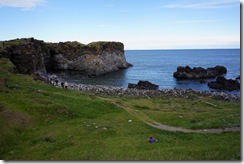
[139, 24]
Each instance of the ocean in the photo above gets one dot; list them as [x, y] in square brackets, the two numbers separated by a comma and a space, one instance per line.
[158, 66]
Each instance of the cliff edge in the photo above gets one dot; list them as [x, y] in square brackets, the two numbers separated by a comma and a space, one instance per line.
[30, 55]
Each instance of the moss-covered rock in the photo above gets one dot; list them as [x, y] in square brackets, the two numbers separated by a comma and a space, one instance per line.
[28, 55]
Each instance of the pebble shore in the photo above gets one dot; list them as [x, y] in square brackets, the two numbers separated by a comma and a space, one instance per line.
[131, 92]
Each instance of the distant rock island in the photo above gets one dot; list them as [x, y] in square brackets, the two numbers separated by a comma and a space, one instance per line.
[30, 55]
[188, 73]
[221, 83]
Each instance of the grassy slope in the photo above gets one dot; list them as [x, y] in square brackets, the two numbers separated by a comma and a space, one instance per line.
[88, 127]
[191, 113]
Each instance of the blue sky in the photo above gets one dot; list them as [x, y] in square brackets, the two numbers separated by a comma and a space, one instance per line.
[139, 24]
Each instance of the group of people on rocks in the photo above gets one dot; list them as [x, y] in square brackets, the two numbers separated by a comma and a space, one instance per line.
[54, 81]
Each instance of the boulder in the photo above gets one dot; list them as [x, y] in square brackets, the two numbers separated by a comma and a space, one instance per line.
[222, 83]
[143, 85]
[188, 73]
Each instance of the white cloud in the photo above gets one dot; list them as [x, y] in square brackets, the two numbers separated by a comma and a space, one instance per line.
[26, 4]
[210, 4]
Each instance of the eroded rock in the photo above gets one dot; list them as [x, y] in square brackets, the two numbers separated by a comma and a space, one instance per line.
[189, 73]
[222, 83]
[142, 84]
[97, 58]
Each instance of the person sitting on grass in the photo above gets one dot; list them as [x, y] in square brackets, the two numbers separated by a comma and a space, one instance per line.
[152, 140]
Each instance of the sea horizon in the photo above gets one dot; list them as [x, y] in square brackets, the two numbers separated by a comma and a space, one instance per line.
[181, 49]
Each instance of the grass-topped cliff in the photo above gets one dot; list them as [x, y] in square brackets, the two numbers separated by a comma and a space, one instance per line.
[30, 55]
[42, 122]
[70, 48]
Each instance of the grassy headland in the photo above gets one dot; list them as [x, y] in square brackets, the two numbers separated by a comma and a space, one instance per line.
[41, 122]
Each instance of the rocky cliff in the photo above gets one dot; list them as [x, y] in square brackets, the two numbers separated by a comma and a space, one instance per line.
[97, 58]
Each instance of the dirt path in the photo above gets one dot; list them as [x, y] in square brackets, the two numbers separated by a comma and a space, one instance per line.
[157, 125]
[175, 129]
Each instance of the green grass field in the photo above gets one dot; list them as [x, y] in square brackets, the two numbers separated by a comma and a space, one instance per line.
[41, 122]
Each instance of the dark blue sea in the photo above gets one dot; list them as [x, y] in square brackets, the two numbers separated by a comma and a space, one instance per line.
[158, 66]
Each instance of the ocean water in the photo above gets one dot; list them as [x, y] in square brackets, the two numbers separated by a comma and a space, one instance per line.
[158, 66]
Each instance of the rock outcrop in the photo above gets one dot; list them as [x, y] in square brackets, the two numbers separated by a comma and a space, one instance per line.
[222, 83]
[97, 58]
[143, 85]
[28, 55]
[188, 73]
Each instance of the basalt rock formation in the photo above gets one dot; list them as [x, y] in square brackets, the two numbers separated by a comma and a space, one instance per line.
[28, 55]
[143, 85]
[188, 73]
[222, 83]
[97, 58]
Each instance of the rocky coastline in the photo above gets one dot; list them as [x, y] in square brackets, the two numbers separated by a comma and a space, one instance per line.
[31, 56]
[139, 93]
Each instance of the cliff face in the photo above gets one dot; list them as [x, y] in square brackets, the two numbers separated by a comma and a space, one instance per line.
[97, 58]
[28, 55]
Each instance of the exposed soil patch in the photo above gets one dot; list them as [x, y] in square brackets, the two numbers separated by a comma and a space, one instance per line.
[179, 129]
[14, 118]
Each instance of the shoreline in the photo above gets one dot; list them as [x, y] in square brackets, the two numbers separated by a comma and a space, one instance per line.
[131, 92]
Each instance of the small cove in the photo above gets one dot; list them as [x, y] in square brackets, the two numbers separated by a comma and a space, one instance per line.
[158, 66]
